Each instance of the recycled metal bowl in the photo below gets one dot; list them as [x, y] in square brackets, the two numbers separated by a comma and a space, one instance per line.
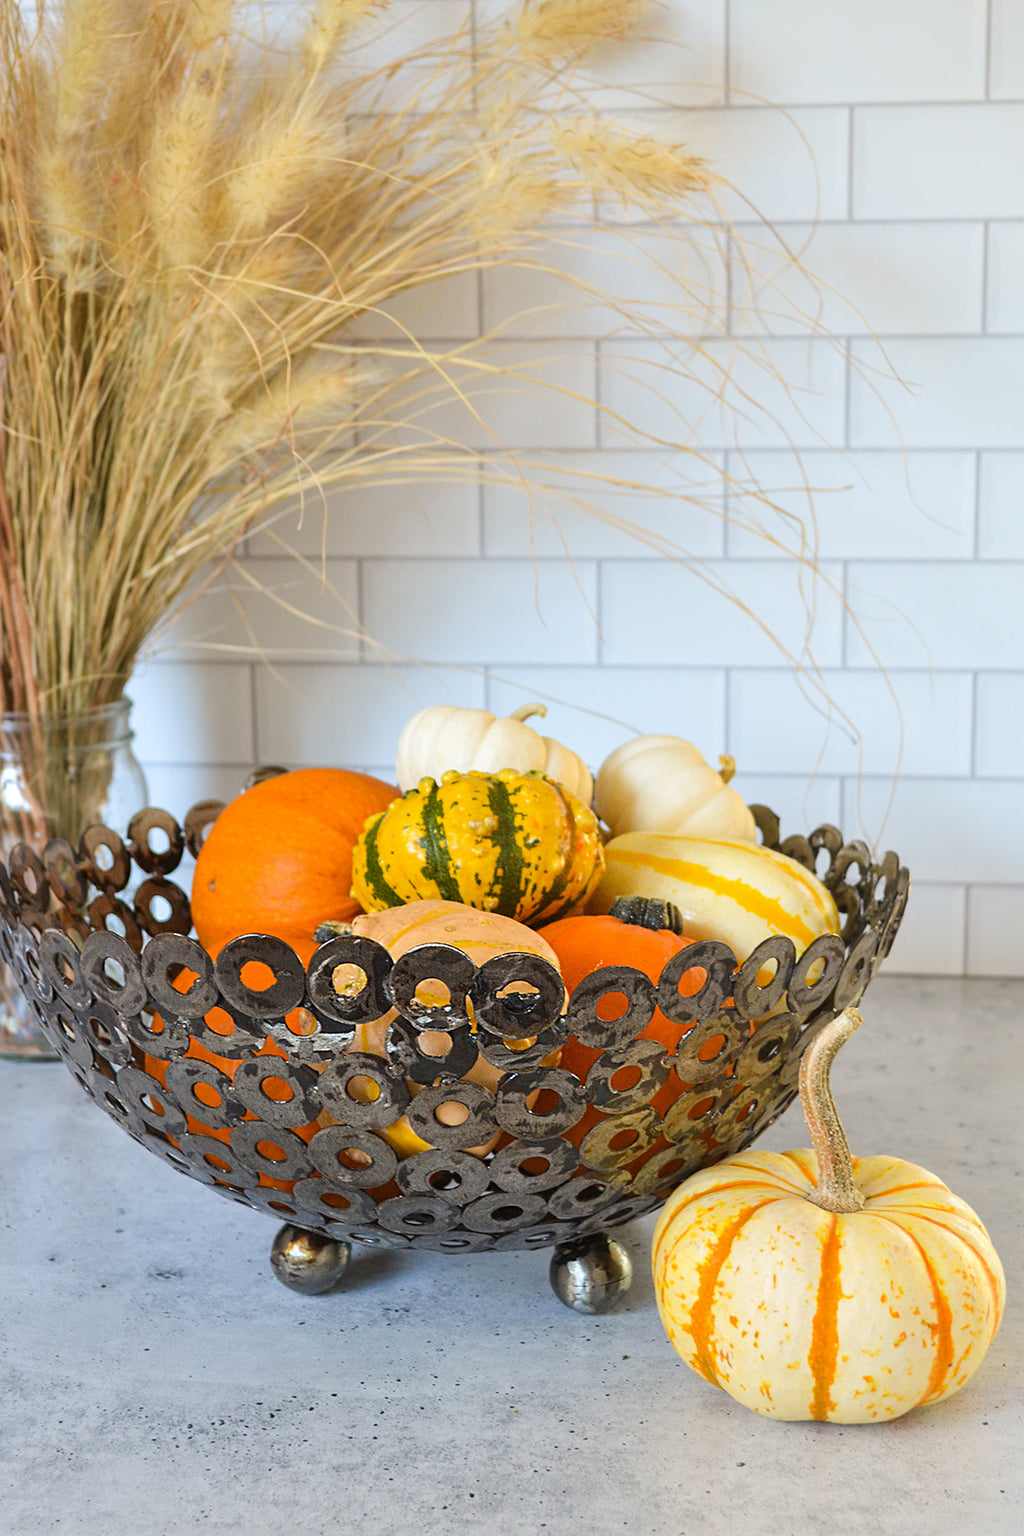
[257, 1091]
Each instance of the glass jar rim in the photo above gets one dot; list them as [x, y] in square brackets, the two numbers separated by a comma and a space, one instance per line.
[115, 715]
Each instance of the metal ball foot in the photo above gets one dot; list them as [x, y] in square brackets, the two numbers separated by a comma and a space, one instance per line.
[308, 1261]
[591, 1274]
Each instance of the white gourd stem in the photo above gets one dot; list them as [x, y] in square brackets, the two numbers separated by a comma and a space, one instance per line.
[526, 710]
[836, 1190]
[726, 768]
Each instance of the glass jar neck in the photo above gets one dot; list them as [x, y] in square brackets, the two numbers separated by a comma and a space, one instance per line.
[107, 726]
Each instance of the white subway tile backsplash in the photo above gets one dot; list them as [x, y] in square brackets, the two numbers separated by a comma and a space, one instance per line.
[351, 717]
[1006, 278]
[801, 801]
[995, 922]
[851, 722]
[893, 279]
[175, 787]
[866, 505]
[275, 607]
[756, 394]
[946, 392]
[871, 50]
[999, 728]
[949, 831]
[482, 611]
[929, 613]
[1006, 63]
[662, 279]
[777, 164]
[655, 614]
[414, 516]
[678, 59]
[648, 504]
[187, 714]
[939, 161]
[1001, 507]
[930, 941]
[595, 709]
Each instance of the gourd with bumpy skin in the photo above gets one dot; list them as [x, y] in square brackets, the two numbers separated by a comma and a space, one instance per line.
[738, 892]
[813, 1285]
[445, 737]
[663, 784]
[514, 843]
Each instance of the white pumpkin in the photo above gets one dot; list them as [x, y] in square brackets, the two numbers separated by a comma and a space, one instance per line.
[445, 737]
[663, 784]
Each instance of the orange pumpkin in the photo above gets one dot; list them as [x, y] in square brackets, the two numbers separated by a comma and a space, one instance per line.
[278, 859]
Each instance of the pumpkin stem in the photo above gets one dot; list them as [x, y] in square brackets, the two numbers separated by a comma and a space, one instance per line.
[526, 710]
[836, 1190]
[330, 928]
[648, 912]
[726, 768]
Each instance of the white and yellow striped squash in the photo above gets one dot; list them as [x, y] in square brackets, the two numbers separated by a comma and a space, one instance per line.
[813, 1285]
[735, 891]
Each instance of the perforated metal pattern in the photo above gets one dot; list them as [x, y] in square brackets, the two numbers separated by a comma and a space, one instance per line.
[292, 1119]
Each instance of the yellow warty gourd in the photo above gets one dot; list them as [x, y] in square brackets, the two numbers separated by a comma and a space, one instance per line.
[738, 892]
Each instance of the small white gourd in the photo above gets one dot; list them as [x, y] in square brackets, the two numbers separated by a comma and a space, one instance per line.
[663, 784]
[445, 737]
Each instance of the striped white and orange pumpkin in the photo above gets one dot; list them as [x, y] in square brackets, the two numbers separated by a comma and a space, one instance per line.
[805, 1312]
[726, 889]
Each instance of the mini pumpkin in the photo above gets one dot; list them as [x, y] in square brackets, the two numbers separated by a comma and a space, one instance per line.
[513, 843]
[663, 784]
[735, 891]
[813, 1285]
[278, 859]
[445, 737]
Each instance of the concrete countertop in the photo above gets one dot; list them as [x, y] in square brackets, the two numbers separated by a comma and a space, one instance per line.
[157, 1379]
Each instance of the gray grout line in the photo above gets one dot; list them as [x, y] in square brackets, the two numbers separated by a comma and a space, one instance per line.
[988, 50]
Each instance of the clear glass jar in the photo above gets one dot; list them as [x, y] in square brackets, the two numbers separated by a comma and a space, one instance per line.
[58, 775]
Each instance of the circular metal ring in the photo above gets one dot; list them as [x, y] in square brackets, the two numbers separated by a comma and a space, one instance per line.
[105, 1031]
[251, 1082]
[405, 1046]
[515, 1058]
[583, 1196]
[335, 1202]
[455, 1242]
[63, 1030]
[857, 971]
[330, 1144]
[241, 1041]
[156, 888]
[99, 950]
[116, 876]
[455, 1176]
[349, 1009]
[199, 818]
[149, 1102]
[370, 1114]
[717, 961]
[597, 1150]
[543, 1236]
[289, 985]
[28, 876]
[691, 1065]
[105, 907]
[661, 1172]
[431, 962]
[55, 951]
[517, 1015]
[504, 1212]
[478, 1126]
[173, 952]
[767, 1051]
[24, 961]
[412, 1215]
[613, 980]
[513, 1112]
[184, 1077]
[140, 831]
[829, 950]
[166, 1044]
[60, 861]
[694, 1110]
[753, 1000]
[509, 1171]
[648, 1056]
[247, 1138]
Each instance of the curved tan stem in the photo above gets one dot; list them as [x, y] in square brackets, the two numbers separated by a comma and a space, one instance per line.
[836, 1190]
[526, 710]
[726, 768]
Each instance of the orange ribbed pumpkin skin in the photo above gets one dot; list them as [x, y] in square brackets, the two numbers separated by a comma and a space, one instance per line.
[278, 859]
[799, 1313]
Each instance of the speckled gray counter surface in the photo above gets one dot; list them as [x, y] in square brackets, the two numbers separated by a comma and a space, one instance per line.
[157, 1379]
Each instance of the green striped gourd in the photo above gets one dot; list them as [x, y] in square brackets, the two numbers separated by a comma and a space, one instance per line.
[514, 843]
